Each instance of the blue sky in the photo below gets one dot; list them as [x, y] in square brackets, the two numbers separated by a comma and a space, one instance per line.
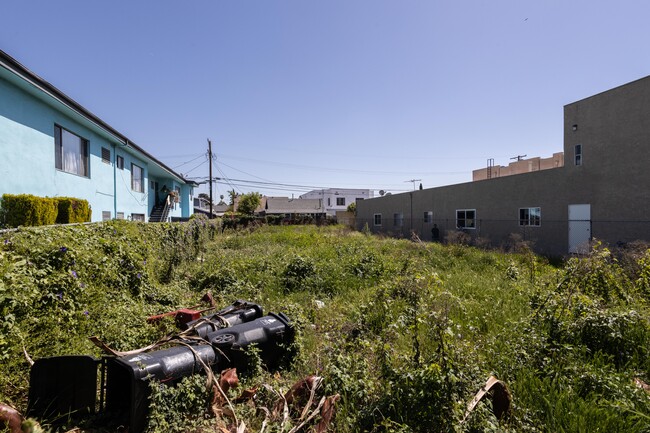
[332, 93]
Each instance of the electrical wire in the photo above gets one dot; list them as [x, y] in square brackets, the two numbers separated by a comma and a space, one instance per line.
[345, 170]
[191, 170]
[187, 162]
[241, 171]
[229, 182]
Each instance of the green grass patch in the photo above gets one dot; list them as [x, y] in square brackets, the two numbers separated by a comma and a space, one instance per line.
[405, 332]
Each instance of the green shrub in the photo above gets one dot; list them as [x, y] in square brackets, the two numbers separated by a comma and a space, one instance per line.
[28, 210]
[72, 210]
[189, 397]
[296, 274]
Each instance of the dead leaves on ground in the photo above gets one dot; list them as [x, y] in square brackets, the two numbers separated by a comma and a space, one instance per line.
[296, 410]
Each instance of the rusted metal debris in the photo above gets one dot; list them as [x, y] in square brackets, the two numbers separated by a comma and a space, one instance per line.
[498, 392]
[12, 421]
[297, 405]
[641, 384]
[185, 315]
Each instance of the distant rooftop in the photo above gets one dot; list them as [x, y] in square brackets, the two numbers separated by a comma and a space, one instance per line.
[520, 166]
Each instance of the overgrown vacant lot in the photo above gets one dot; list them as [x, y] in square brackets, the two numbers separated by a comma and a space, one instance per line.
[405, 332]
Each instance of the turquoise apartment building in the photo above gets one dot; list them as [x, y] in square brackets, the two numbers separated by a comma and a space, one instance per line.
[50, 146]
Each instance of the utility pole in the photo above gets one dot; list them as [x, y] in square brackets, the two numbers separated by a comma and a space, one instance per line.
[413, 181]
[519, 157]
[210, 159]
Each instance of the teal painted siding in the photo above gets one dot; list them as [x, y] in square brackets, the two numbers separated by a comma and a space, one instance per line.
[27, 158]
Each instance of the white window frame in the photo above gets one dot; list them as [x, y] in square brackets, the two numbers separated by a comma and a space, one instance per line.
[137, 184]
[72, 152]
[465, 218]
[530, 216]
[137, 217]
[377, 219]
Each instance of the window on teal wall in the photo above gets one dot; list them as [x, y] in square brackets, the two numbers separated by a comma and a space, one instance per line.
[137, 178]
[106, 155]
[71, 152]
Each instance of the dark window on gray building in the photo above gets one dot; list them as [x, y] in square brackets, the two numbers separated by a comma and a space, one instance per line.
[377, 219]
[340, 201]
[530, 216]
[398, 219]
[466, 218]
[578, 154]
[428, 216]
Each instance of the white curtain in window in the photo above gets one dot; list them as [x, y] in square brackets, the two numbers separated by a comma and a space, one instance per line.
[137, 175]
[74, 158]
[71, 154]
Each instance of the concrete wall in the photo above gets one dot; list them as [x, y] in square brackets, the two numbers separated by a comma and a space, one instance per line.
[520, 167]
[496, 202]
[613, 129]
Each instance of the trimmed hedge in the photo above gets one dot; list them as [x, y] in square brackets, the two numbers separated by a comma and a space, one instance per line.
[30, 210]
[73, 210]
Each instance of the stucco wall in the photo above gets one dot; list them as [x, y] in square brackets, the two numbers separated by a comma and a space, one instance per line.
[496, 202]
[27, 157]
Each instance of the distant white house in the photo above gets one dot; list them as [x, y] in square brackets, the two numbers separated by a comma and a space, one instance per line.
[338, 199]
[291, 208]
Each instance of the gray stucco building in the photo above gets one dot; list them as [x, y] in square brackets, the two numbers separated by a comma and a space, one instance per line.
[601, 192]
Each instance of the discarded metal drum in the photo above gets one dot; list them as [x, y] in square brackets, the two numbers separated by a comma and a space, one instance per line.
[67, 385]
[238, 312]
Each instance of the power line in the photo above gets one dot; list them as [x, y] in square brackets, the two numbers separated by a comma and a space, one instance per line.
[414, 180]
[344, 170]
[264, 183]
[228, 181]
[241, 171]
[191, 170]
[187, 162]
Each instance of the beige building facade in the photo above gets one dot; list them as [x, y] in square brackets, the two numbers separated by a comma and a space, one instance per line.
[519, 167]
[600, 191]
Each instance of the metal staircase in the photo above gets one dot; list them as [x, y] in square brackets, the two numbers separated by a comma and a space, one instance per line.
[159, 213]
